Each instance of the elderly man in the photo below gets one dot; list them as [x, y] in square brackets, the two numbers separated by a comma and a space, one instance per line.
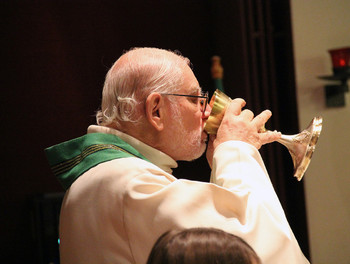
[121, 195]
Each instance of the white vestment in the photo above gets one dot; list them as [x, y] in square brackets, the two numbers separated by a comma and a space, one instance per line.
[115, 211]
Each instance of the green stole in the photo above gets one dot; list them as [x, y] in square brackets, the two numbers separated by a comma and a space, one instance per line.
[72, 158]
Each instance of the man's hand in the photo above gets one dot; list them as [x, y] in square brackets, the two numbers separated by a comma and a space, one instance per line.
[241, 125]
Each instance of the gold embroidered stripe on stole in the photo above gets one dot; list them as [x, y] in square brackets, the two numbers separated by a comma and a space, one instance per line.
[69, 164]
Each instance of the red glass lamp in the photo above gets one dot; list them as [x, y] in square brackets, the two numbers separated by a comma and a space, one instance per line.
[340, 57]
[341, 73]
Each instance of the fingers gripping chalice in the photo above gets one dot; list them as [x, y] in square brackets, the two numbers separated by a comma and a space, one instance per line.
[300, 146]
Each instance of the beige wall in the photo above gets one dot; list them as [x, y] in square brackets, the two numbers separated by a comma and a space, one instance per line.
[319, 25]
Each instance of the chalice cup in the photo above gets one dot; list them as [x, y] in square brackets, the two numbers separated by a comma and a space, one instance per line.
[300, 146]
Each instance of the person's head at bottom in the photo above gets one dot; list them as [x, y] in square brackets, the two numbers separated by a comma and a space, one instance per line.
[202, 246]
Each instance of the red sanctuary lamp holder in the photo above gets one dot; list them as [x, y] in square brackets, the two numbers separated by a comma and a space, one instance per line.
[335, 93]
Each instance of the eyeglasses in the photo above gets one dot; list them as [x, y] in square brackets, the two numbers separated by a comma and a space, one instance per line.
[203, 99]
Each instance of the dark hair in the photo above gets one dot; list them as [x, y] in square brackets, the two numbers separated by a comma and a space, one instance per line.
[201, 245]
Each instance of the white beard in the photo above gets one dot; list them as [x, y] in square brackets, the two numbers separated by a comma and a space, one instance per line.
[187, 142]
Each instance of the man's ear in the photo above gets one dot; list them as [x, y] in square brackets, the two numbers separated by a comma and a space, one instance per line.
[154, 108]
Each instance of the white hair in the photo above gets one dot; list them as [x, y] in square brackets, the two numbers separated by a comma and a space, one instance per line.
[134, 76]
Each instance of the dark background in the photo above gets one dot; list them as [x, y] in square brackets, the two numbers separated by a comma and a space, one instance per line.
[55, 55]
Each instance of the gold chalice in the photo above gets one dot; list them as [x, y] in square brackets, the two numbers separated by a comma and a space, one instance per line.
[300, 146]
